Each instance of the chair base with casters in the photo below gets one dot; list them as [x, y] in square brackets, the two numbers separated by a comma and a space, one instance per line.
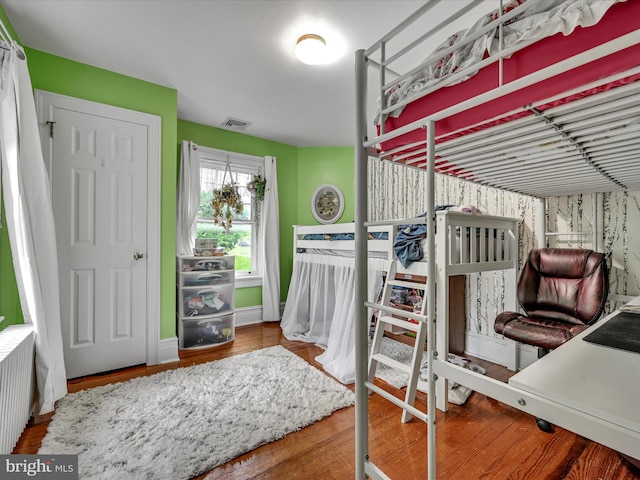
[543, 425]
[562, 292]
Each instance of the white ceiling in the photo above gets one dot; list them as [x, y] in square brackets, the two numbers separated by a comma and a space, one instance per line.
[232, 58]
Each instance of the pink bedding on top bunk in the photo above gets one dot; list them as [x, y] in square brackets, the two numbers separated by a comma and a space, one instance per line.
[620, 19]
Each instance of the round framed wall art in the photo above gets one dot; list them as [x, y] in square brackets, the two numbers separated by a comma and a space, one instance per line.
[327, 203]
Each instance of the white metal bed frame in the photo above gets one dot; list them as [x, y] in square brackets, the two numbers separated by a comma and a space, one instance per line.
[616, 437]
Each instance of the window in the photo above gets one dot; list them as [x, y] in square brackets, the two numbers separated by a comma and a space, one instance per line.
[218, 167]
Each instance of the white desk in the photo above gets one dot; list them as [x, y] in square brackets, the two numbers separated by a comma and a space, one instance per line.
[601, 382]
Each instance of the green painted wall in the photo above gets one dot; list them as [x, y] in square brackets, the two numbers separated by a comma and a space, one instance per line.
[320, 165]
[9, 299]
[287, 166]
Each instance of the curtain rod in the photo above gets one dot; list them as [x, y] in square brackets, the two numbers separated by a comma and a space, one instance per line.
[12, 44]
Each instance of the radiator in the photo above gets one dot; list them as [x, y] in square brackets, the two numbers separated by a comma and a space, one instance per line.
[16, 383]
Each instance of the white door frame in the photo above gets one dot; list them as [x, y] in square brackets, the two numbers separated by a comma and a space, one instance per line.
[45, 102]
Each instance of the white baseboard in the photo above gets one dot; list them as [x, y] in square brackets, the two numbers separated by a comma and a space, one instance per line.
[168, 350]
[248, 315]
[252, 315]
[168, 347]
[492, 349]
[498, 350]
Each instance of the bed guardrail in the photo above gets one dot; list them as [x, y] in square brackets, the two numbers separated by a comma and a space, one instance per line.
[336, 237]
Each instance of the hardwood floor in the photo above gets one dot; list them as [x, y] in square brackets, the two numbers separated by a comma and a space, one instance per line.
[483, 439]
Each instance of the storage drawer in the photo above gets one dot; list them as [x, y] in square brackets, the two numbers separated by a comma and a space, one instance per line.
[206, 332]
[205, 264]
[205, 301]
[205, 278]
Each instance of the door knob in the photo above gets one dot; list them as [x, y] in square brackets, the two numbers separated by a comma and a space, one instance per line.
[138, 255]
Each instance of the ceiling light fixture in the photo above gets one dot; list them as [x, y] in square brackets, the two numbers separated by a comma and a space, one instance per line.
[311, 49]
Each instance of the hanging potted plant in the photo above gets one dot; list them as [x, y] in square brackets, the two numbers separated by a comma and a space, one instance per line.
[257, 187]
[225, 203]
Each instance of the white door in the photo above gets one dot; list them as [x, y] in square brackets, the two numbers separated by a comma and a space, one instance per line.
[98, 171]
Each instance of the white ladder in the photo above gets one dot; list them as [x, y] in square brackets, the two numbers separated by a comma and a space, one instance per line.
[420, 329]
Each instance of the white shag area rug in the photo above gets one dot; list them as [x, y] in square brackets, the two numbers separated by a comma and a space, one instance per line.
[180, 423]
[400, 352]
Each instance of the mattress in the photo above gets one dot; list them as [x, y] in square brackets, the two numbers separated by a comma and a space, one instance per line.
[620, 19]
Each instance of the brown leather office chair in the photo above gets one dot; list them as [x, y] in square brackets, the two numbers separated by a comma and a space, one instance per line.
[562, 291]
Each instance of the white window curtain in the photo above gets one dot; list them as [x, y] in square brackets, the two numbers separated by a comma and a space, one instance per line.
[188, 198]
[270, 231]
[29, 220]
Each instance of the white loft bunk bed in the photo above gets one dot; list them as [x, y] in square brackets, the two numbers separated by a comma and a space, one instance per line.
[547, 117]
[320, 306]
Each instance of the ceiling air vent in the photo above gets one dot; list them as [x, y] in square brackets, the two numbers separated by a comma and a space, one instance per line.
[236, 123]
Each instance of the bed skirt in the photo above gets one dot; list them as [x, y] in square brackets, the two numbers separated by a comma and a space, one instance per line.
[320, 308]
